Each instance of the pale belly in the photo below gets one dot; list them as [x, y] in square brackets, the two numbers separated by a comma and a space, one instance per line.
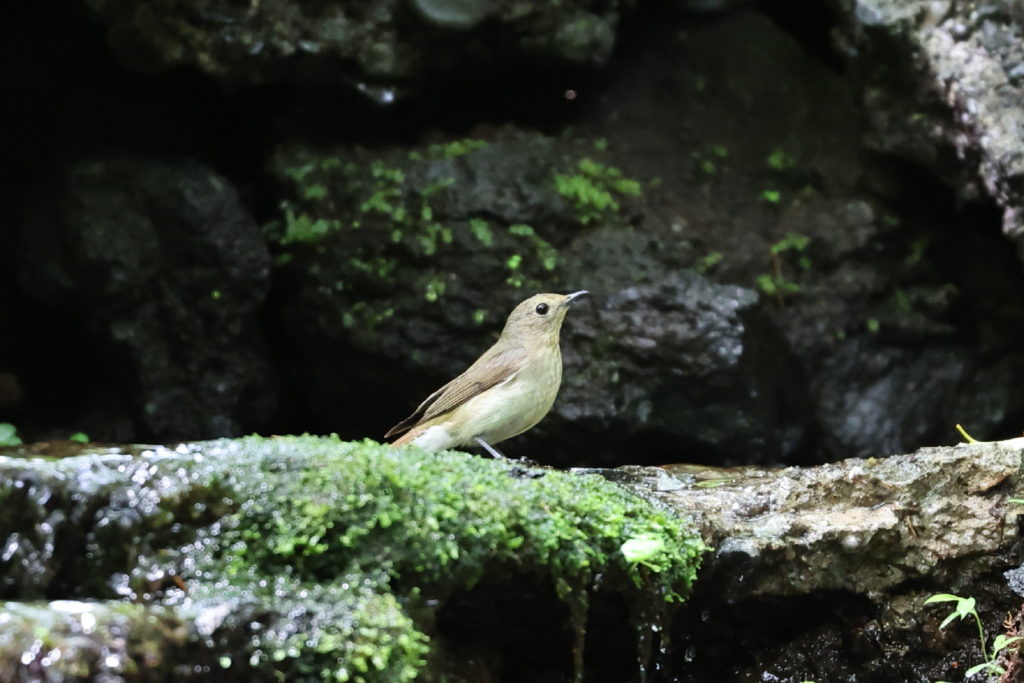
[501, 412]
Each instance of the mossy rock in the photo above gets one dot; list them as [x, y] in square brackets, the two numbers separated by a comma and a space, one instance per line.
[339, 552]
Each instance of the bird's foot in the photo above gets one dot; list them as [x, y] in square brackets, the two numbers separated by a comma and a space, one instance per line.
[495, 453]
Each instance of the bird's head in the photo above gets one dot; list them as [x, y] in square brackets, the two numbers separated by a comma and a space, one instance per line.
[539, 317]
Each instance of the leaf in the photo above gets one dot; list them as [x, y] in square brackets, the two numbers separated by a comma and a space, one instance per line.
[984, 666]
[643, 548]
[966, 607]
[943, 597]
[8, 434]
[1003, 640]
[951, 617]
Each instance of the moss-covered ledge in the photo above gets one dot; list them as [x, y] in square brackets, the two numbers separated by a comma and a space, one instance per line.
[313, 558]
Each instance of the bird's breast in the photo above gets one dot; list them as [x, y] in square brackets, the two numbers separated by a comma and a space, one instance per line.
[515, 405]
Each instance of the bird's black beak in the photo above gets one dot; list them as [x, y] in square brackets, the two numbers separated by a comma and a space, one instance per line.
[569, 298]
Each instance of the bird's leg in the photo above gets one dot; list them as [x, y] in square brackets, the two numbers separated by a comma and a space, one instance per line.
[495, 453]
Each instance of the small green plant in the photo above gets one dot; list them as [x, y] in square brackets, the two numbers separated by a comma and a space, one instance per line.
[708, 262]
[8, 435]
[456, 148]
[775, 283]
[778, 160]
[645, 549]
[705, 160]
[80, 437]
[967, 607]
[770, 196]
[595, 190]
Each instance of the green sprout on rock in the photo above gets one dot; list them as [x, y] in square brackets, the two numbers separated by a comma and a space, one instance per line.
[775, 283]
[967, 607]
[595, 189]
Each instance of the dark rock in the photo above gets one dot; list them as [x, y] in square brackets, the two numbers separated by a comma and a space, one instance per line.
[162, 266]
[950, 93]
[679, 357]
[657, 352]
[385, 41]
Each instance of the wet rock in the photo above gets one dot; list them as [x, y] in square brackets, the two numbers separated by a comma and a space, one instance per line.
[291, 557]
[863, 526]
[824, 571]
[161, 265]
[67, 640]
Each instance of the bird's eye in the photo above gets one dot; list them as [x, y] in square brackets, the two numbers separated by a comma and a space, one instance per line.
[541, 309]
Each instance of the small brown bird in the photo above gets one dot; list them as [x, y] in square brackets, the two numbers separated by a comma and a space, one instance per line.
[508, 390]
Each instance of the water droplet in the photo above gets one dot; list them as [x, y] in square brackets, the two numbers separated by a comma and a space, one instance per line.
[88, 622]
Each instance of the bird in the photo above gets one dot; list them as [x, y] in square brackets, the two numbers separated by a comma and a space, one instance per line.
[508, 390]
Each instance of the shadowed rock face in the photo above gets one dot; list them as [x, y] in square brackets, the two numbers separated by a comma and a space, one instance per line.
[165, 272]
[371, 47]
[964, 67]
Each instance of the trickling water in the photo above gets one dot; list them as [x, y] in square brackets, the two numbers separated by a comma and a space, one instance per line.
[578, 607]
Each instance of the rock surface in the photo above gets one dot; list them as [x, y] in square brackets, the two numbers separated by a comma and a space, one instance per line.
[820, 572]
[164, 269]
[373, 46]
[313, 559]
[849, 551]
[965, 62]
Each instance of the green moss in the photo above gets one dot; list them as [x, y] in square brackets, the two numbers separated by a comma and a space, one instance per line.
[595, 189]
[456, 148]
[330, 557]
[323, 508]
[364, 318]
[546, 254]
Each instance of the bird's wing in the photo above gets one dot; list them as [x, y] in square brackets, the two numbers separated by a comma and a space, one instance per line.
[490, 369]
